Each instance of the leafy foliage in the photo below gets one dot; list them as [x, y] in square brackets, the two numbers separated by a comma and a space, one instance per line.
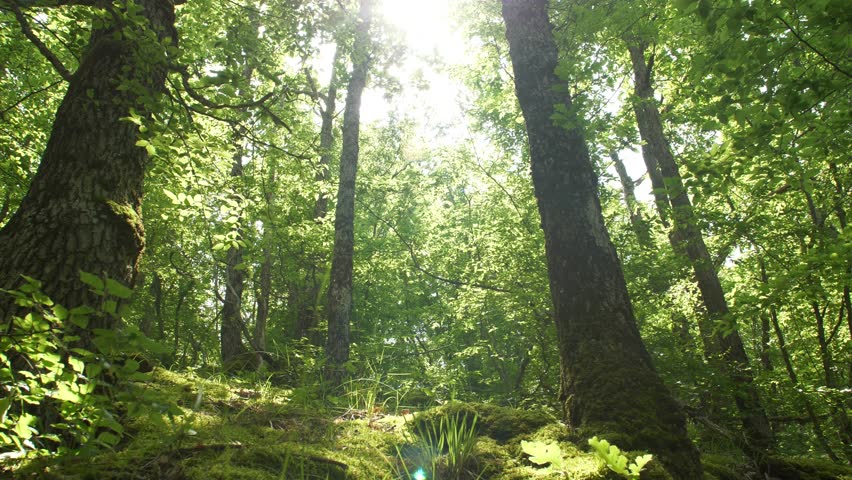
[616, 461]
[60, 397]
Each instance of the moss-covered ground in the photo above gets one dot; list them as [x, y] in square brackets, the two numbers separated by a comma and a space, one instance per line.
[255, 431]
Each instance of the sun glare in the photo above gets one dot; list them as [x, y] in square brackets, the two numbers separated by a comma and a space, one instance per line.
[430, 34]
[426, 24]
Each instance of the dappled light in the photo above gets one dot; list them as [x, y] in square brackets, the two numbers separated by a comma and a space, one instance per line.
[425, 240]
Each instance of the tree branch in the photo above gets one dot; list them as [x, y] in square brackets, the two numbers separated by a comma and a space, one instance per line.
[813, 49]
[419, 268]
[28, 32]
[27, 96]
[184, 75]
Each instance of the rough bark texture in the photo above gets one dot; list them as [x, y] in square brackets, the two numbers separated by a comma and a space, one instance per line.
[307, 317]
[609, 386]
[340, 287]
[726, 351]
[82, 211]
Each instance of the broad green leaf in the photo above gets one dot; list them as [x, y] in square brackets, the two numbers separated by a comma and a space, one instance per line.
[92, 280]
[116, 289]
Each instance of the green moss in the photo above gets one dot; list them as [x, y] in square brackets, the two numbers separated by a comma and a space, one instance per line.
[251, 430]
[499, 423]
[720, 467]
[808, 469]
[260, 462]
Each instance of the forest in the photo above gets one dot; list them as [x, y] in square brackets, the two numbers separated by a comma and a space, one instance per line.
[425, 239]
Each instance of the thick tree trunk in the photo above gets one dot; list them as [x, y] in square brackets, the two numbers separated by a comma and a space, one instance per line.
[608, 381]
[82, 211]
[726, 351]
[307, 317]
[340, 287]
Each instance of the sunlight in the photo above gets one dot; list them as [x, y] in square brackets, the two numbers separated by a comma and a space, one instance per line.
[426, 25]
[432, 43]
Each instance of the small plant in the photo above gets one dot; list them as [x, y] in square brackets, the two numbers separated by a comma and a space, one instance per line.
[443, 448]
[617, 461]
[460, 440]
[544, 453]
[58, 396]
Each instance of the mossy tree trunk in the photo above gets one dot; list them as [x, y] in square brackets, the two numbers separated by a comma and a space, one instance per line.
[725, 351]
[609, 385]
[82, 211]
[340, 286]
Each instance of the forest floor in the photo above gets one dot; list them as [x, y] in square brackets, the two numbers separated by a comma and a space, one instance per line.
[236, 430]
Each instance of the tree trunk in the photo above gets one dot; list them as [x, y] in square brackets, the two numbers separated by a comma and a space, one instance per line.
[307, 317]
[234, 353]
[609, 384]
[232, 348]
[263, 306]
[725, 350]
[640, 228]
[82, 211]
[791, 373]
[340, 287]
[157, 294]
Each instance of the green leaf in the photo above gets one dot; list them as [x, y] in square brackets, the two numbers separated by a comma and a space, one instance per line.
[65, 394]
[5, 403]
[108, 439]
[22, 428]
[130, 366]
[77, 364]
[110, 307]
[93, 281]
[116, 289]
[543, 453]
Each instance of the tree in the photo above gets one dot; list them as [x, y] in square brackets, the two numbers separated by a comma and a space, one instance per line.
[307, 315]
[723, 348]
[608, 380]
[82, 210]
[340, 287]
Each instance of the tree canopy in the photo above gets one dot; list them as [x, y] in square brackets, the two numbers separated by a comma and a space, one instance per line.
[630, 216]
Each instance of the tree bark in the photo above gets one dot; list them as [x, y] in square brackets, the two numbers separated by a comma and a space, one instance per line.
[726, 351]
[640, 228]
[263, 306]
[234, 352]
[609, 384]
[340, 286]
[307, 317]
[82, 211]
[232, 348]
